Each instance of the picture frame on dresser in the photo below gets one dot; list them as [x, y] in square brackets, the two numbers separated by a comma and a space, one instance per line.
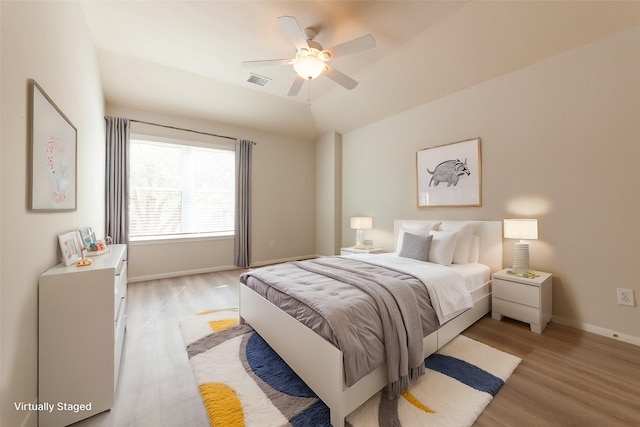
[450, 175]
[71, 247]
[87, 236]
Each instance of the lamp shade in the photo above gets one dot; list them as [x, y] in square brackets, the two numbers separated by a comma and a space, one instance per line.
[361, 223]
[308, 67]
[525, 229]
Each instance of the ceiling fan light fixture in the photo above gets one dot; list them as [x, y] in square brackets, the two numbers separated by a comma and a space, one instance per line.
[325, 56]
[308, 66]
[310, 58]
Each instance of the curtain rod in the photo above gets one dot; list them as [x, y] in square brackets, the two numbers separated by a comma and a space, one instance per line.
[184, 129]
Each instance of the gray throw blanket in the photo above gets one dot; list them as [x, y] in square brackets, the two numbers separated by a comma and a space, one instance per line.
[399, 314]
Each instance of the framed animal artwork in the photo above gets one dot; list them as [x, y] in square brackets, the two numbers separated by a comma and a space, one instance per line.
[450, 175]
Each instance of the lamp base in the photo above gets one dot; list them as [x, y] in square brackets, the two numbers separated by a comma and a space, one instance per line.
[359, 239]
[521, 257]
[365, 244]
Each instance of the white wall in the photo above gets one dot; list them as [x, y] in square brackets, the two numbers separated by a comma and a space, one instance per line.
[328, 194]
[560, 142]
[48, 42]
[283, 204]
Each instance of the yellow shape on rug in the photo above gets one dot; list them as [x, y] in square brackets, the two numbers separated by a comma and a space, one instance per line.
[219, 325]
[218, 310]
[415, 402]
[222, 404]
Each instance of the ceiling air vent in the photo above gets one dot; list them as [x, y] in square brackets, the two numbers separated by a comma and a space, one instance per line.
[258, 80]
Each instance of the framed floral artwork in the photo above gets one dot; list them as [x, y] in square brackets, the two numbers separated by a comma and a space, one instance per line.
[53, 154]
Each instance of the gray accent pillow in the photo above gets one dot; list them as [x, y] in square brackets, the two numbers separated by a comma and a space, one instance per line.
[416, 247]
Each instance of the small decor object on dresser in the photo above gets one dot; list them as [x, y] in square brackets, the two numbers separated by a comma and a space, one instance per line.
[97, 248]
[522, 296]
[84, 262]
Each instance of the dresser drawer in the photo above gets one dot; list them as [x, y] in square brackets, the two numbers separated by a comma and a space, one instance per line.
[119, 289]
[516, 292]
[516, 311]
[120, 325]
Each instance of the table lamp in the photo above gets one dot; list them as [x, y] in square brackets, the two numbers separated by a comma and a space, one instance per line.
[361, 223]
[523, 229]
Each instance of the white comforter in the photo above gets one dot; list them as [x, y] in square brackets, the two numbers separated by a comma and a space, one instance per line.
[447, 289]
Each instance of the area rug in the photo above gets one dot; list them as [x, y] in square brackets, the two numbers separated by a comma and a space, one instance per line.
[243, 382]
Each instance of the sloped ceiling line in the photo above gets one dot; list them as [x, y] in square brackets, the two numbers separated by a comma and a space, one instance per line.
[185, 58]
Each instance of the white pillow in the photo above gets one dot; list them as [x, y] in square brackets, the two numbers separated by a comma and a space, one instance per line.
[420, 228]
[463, 243]
[443, 246]
[474, 253]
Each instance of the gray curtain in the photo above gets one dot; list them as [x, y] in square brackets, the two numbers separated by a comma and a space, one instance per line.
[243, 203]
[117, 193]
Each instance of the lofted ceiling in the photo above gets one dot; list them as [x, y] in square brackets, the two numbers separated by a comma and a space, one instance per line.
[183, 58]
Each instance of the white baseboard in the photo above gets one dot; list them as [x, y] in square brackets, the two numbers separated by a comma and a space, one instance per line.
[132, 279]
[171, 274]
[596, 330]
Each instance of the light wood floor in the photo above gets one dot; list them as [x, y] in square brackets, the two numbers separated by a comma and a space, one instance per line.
[567, 377]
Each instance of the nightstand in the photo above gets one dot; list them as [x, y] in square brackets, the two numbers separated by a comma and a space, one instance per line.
[520, 298]
[351, 250]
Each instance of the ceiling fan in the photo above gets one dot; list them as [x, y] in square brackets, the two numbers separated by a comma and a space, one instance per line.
[311, 59]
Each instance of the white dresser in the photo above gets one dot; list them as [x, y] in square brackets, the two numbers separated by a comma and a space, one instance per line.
[525, 299]
[82, 320]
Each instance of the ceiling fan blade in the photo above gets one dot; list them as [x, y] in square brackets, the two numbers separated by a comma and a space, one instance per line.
[267, 62]
[340, 78]
[353, 46]
[294, 32]
[295, 86]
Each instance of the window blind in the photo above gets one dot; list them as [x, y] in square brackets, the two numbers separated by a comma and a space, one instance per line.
[177, 188]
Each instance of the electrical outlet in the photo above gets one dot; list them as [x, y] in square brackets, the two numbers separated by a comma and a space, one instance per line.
[272, 243]
[626, 297]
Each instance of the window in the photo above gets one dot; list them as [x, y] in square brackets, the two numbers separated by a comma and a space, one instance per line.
[180, 188]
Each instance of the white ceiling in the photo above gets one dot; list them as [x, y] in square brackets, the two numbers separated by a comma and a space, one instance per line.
[184, 57]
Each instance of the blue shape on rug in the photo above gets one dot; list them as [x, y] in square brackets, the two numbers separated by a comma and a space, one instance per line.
[464, 372]
[317, 415]
[271, 369]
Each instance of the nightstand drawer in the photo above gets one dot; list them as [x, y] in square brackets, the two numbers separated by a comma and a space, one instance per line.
[516, 292]
[516, 311]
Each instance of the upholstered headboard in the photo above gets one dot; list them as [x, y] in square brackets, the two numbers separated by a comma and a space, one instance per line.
[489, 233]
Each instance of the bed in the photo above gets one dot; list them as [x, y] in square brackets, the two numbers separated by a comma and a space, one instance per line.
[476, 253]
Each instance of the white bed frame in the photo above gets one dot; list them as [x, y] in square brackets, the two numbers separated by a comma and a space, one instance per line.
[320, 364]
